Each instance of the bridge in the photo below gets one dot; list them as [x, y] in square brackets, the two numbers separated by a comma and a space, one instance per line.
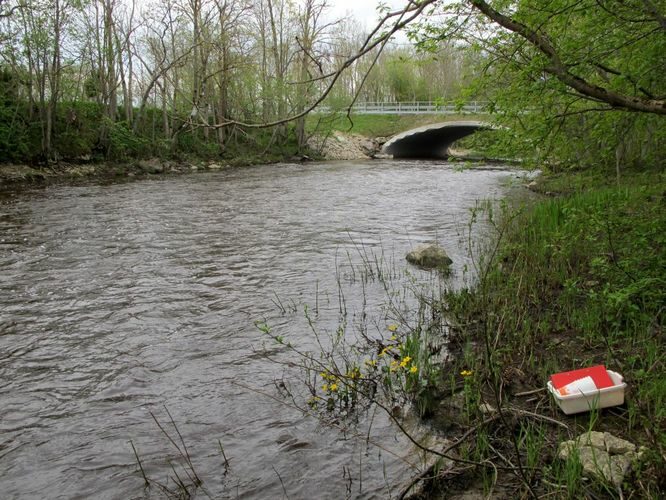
[431, 141]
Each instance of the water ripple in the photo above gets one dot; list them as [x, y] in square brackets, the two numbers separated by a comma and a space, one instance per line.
[117, 300]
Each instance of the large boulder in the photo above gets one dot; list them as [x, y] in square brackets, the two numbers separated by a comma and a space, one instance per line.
[601, 454]
[151, 166]
[430, 256]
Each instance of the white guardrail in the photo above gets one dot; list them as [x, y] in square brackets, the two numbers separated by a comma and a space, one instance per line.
[411, 108]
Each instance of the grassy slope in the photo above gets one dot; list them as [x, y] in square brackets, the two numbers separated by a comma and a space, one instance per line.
[378, 125]
[576, 278]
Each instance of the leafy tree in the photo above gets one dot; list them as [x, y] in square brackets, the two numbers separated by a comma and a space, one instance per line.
[577, 81]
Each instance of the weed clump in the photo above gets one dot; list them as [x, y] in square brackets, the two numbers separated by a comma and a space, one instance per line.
[571, 280]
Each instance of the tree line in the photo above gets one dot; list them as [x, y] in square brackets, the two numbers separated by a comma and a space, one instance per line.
[119, 78]
[572, 81]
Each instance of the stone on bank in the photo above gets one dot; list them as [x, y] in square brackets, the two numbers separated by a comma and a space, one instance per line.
[601, 454]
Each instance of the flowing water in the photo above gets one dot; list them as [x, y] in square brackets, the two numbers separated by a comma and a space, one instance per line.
[118, 301]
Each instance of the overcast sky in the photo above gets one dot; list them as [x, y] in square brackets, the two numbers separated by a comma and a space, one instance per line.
[363, 10]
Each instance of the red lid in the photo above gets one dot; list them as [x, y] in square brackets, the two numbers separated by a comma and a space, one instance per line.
[598, 374]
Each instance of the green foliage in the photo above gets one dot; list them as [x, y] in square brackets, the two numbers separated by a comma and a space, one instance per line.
[602, 250]
[193, 143]
[14, 141]
[403, 73]
[408, 369]
[618, 48]
[576, 280]
[123, 143]
[403, 85]
[500, 143]
[81, 130]
[610, 140]
[77, 129]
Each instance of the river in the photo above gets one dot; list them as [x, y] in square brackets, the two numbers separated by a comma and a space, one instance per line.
[118, 301]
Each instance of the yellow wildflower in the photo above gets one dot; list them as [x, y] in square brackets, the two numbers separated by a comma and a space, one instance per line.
[371, 362]
[394, 365]
[466, 373]
[392, 327]
[334, 387]
[413, 369]
[393, 337]
[384, 351]
[325, 387]
[405, 361]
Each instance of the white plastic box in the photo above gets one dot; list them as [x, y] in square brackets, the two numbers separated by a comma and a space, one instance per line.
[586, 401]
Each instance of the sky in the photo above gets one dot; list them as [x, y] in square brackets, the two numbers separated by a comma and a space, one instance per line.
[363, 10]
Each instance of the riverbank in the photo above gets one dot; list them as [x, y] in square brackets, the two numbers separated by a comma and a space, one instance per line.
[334, 146]
[574, 279]
[12, 174]
[15, 174]
[333, 138]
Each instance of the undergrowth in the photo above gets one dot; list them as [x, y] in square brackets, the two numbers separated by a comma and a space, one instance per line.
[572, 280]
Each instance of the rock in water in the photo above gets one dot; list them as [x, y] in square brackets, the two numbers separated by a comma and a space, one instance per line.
[431, 256]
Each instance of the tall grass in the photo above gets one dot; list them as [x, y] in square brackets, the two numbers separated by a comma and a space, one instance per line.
[574, 280]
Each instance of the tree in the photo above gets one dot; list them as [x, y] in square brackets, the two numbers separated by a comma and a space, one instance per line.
[43, 24]
[591, 60]
[576, 81]
[311, 30]
[586, 68]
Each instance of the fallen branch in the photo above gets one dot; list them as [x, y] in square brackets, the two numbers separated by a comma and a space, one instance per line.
[525, 413]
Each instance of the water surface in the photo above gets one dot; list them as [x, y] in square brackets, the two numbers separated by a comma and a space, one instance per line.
[120, 300]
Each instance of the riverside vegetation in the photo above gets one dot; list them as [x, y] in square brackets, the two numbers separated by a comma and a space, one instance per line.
[230, 82]
[575, 279]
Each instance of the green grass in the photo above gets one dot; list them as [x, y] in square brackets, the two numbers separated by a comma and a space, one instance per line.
[377, 125]
[574, 279]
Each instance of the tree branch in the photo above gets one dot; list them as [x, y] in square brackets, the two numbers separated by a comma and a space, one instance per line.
[411, 11]
[612, 71]
[559, 70]
[11, 11]
[654, 12]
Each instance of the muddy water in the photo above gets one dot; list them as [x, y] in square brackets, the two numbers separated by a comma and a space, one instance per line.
[120, 301]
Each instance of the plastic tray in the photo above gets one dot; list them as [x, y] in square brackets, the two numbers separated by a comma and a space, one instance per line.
[586, 401]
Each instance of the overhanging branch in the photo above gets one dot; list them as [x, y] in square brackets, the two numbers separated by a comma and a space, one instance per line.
[559, 70]
[406, 15]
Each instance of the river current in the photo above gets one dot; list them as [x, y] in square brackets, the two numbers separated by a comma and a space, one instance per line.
[125, 300]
